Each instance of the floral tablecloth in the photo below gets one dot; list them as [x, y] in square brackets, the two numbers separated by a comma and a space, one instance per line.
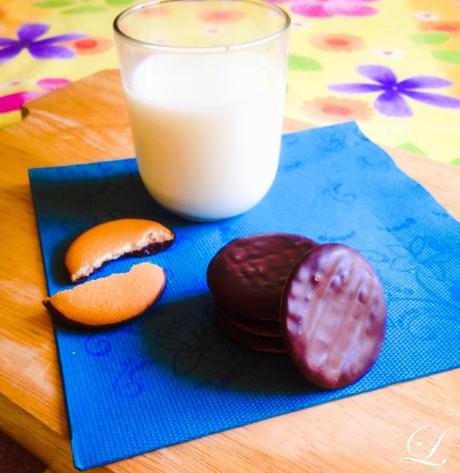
[391, 65]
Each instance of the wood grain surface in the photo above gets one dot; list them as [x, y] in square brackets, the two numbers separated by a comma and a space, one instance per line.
[87, 121]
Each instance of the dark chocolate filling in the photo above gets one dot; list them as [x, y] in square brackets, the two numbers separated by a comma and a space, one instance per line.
[149, 250]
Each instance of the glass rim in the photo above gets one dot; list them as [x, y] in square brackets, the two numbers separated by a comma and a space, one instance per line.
[202, 49]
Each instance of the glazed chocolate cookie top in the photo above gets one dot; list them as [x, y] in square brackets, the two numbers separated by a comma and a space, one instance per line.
[247, 275]
[333, 316]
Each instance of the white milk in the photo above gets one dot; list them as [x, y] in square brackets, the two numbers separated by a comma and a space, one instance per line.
[207, 130]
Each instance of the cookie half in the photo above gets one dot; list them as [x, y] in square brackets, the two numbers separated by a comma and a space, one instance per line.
[110, 300]
[111, 240]
[247, 276]
[333, 315]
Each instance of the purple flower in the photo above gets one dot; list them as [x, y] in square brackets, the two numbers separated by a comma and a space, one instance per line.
[47, 48]
[392, 93]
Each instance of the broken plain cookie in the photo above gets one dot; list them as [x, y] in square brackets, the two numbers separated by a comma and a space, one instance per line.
[333, 315]
[110, 300]
[111, 240]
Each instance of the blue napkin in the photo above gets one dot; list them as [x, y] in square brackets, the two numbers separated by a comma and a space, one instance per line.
[171, 375]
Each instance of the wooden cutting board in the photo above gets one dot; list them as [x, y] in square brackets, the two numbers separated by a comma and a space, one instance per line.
[87, 121]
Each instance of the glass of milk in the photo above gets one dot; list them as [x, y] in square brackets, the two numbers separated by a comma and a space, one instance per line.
[205, 85]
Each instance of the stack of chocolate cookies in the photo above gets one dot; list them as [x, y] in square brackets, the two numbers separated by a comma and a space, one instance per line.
[322, 304]
[247, 278]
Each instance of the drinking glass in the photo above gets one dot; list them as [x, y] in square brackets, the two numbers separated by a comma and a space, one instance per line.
[205, 85]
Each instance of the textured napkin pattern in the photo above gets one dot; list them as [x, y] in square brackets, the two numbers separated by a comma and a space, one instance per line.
[171, 375]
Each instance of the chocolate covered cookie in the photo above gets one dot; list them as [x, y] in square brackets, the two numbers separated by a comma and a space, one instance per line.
[248, 340]
[259, 327]
[333, 316]
[247, 276]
